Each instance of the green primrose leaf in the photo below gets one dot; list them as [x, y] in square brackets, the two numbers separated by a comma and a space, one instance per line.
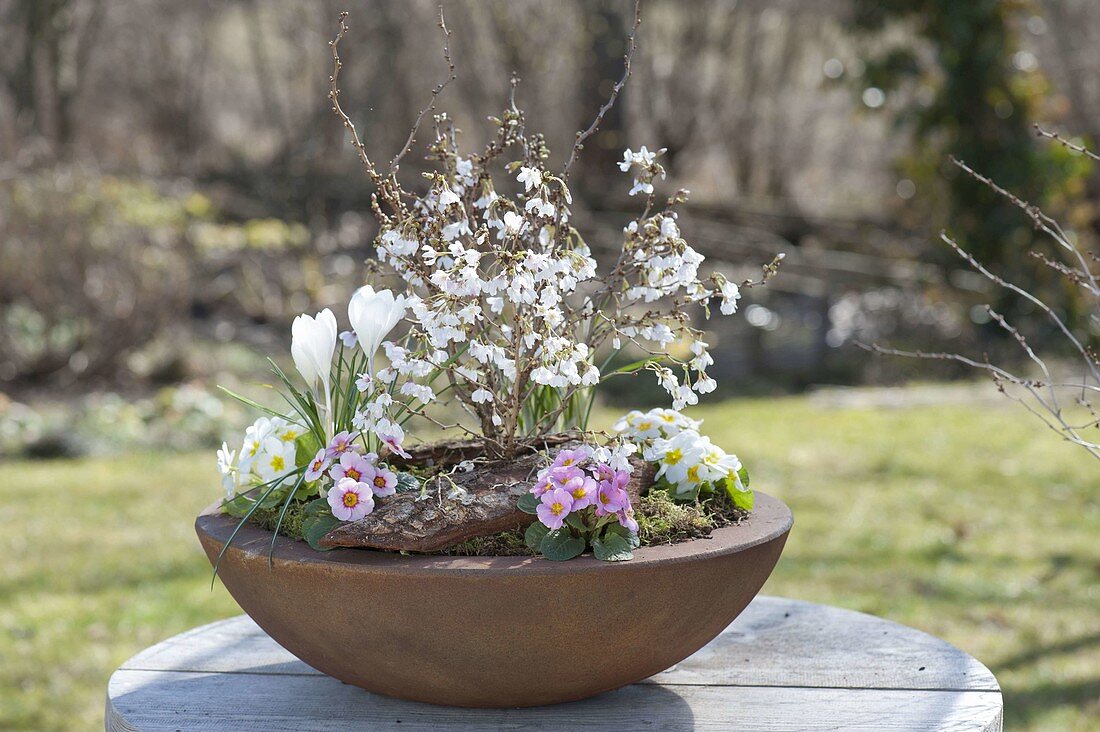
[560, 545]
[317, 507]
[528, 503]
[624, 532]
[576, 522]
[612, 547]
[534, 535]
[742, 499]
[315, 527]
[305, 447]
[685, 494]
[238, 506]
[743, 474]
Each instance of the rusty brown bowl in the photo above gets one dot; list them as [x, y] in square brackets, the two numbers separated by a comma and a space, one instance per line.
[496, 631]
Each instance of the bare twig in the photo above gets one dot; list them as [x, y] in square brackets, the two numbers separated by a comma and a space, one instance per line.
[1051, 418]
[1038, 396]
[334, 97]
[1041, 220]
[395, 164]
[1066, 143]
[632, 44]
[1093, 367]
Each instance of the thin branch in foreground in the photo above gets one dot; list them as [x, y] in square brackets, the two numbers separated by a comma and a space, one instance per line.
[1050, 415]
[1092, 364]
[395, 164]
[1041, 220]
[1066, 143]
[334, 97]
[632, 45]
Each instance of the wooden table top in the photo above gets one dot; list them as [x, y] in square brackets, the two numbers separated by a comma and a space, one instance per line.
[782, 665]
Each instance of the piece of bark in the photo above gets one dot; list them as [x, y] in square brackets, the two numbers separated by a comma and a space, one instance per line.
[452, 452]
[407, 522]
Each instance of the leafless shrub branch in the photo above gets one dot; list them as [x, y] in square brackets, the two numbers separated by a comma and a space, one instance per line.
[632, 44]
[1039, 396]
[395, 164]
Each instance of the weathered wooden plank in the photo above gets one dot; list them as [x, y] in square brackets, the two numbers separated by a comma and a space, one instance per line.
[782, 665]
[163, 700]
[774, 642]
[779, 642]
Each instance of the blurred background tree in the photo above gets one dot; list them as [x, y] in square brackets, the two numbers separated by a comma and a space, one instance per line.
[964, 87]
[217, 111]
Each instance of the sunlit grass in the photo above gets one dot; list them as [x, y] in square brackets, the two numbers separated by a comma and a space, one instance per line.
[970, 522]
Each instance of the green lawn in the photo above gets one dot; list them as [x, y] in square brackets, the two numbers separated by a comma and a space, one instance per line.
[968, 521]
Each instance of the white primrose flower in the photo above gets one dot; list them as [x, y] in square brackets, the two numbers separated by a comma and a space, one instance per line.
[373, 315]
[254, 438]
[276, 460]
[482, 396]
[228, 470]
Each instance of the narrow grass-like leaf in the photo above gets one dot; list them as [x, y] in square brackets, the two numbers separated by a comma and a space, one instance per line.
[279, 523]
[249, 402]
[273, 484]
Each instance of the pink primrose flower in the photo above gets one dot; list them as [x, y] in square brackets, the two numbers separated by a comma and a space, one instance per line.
[350, 500]
[554, 507]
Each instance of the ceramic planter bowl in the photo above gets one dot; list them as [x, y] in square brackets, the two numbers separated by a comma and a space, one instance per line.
[496, 631]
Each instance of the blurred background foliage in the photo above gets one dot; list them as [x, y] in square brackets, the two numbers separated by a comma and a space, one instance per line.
[174, 187]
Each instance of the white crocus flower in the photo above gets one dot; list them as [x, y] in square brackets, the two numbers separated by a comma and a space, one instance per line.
[373, 315]
[313, 343]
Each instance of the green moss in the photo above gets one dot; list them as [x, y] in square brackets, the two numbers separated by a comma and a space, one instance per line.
[267, 518]
[663, 521]
[504, 544]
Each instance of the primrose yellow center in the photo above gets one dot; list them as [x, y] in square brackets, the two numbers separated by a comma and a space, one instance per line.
[668, 418]
[579, 492]
[603, 497]
[379, 481]
[693, 472]
[645, 426]
[351, 500]
[277, 463]
[353, 474]
[674, 456]
[290, 436]
[557, 509]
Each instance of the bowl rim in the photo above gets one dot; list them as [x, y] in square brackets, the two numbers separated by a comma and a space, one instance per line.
[769, 520]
